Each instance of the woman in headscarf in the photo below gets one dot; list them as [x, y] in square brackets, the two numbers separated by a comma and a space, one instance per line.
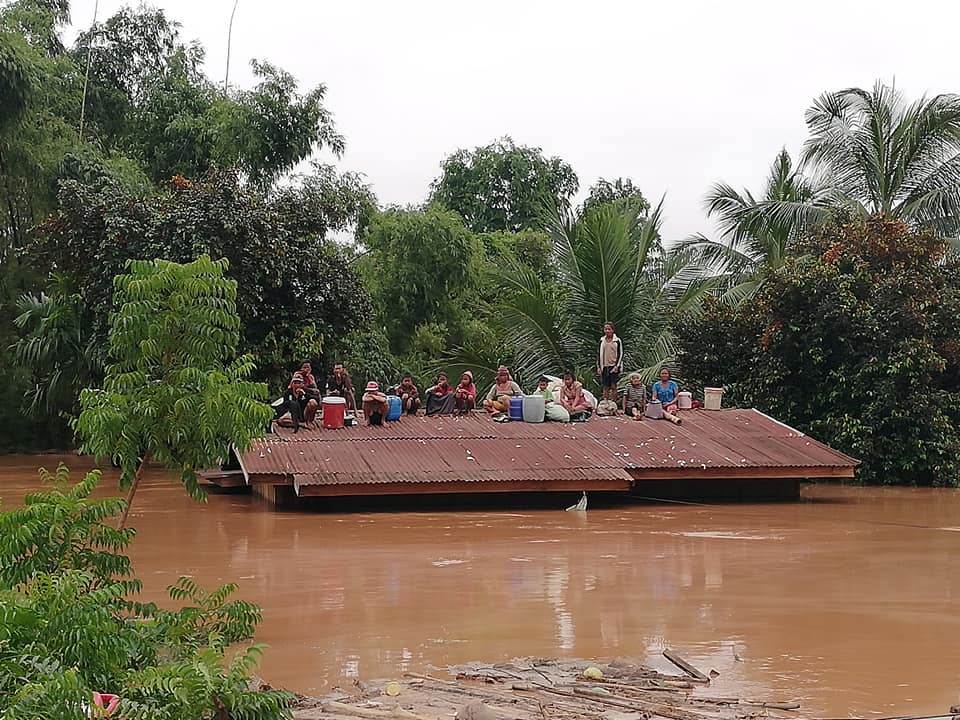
[440, 397]
[498, 399]
[465, 396]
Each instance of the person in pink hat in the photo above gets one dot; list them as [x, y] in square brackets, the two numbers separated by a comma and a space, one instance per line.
[465, 396]
[374, 404]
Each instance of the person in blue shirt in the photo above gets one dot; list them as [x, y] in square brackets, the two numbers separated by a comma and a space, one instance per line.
[666, 390]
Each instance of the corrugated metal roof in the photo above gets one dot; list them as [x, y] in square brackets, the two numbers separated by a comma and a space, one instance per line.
[476, 449]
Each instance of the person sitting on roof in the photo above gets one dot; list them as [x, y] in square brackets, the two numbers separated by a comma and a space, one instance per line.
[310, 386]
[408, 394]
[635, 398]
[375, 405]
[666, 390]
[302, 408]
[465, 396]
[440, 400]
[340, 385]
[552, 409]
[572, 398]
[498, 399]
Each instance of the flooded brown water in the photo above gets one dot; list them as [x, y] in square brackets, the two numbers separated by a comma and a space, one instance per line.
[848, 601]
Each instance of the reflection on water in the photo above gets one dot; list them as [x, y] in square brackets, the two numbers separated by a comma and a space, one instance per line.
[848, 601]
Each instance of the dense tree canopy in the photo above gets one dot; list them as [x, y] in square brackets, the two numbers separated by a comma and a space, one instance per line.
[621, 191]
[504, 186]
[158, 161]
[855, 341]
[296, 289]
[421, 270]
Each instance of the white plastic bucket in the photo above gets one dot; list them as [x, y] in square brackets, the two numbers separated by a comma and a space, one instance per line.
[712, 398]
[654, 410]
[534, 407]
[684, 400]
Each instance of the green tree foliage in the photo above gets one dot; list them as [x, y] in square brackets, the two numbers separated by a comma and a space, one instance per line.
[173, 392]
[854, 342]
[296, 290]
[504, 186]
[59, 348]
[621, 190]
[421, 268]
[62, 528]
[754, 243]
[16, 84]
[605, 272]
[878, 154]
[69, 626]
[43, 90]
[148, 98]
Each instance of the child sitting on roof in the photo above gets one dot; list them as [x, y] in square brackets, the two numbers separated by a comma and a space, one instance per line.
[465, 396]
[552, 409]
[635, 398]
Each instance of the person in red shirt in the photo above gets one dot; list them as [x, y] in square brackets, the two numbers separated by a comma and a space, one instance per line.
[440, 397]
[310, 387]
[465, 396]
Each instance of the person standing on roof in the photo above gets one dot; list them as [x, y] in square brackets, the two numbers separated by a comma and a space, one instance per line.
[609, 361]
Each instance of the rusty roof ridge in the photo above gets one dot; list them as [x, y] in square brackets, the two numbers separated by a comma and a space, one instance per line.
[857, 461]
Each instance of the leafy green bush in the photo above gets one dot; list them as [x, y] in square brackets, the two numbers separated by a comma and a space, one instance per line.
[69, 626]
[854, 342]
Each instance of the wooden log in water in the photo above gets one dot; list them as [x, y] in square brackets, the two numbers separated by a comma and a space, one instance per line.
[689, 669]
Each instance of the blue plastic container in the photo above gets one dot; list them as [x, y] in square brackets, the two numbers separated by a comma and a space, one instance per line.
[516, 408]
[394, 408]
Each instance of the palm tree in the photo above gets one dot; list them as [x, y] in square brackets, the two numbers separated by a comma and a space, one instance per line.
[754, 240]
[879, 155]
[868, 153]
[57, 347]
[607, 269]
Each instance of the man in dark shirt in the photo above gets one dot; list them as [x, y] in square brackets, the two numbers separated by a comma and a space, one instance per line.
[340, 385]
[302, 408]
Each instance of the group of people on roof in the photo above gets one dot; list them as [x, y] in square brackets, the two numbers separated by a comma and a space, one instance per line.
[565, 398]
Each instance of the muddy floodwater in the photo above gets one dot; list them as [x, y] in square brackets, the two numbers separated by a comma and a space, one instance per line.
[848, 601]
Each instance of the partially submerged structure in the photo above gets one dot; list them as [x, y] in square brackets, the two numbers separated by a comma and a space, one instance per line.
[728, 454]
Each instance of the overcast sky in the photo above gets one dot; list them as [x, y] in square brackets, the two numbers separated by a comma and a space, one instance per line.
[675, 95]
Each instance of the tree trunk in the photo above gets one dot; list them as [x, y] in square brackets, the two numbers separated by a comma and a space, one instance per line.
[133, 491]
[11, 211]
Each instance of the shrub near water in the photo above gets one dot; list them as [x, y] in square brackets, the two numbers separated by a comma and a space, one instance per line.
[69, 625]
[855, 341]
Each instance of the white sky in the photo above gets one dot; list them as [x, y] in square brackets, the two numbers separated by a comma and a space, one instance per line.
[675, 95]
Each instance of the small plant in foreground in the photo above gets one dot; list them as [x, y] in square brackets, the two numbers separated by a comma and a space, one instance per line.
[68, 625]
